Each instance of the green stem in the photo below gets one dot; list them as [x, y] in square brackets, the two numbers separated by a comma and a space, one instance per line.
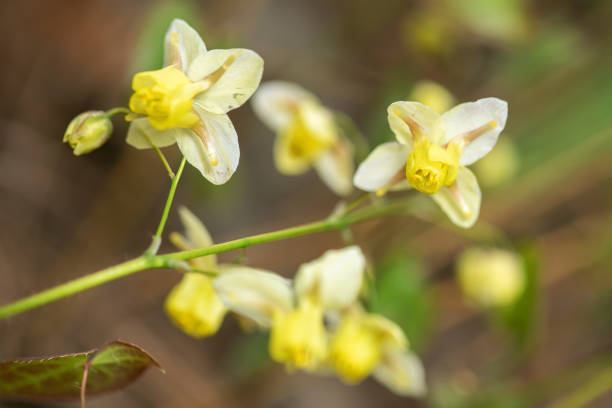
[151, 261]
[152, 250]
[115, 111]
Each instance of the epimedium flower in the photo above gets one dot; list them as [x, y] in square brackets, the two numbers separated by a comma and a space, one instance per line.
[307, 134]
[370, 344]
[193, 305]
[295, 314]
[187, 101]
[432, 151]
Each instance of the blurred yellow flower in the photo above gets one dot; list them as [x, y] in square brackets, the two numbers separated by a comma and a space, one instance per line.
[432, 151]
[307, 134]
[491, 277]
[193, 305]
[433, 95]
[369, 344]
[187, 101]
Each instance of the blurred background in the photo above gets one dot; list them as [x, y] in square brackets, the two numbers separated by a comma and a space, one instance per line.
[64, 216]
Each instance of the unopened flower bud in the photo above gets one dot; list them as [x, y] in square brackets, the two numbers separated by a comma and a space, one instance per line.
[491, 277]
[88, 131]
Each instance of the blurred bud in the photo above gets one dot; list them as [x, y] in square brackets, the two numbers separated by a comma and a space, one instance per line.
[427, 33]
[491, 277]
[88, 131]
[433, 95]
[499, 166]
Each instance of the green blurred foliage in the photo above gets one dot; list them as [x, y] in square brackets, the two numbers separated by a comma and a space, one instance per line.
[520, 318]
[400, 293]
[249, 356]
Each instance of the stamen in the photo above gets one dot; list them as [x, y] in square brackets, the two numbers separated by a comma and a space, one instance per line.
[202, 133]
[468, 137]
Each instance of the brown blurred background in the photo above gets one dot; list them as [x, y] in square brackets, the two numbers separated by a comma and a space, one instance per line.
[63, 216]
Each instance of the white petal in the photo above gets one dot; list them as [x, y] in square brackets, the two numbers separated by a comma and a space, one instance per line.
[473, 115]
[402, 372]
[461, 200]
[275, 102]
[186, 47]
[240, 72]
[198, 236]
[413, 119]
[335, 167]
[216, 158]
[142, 135]
[254, 293]
[381, 166]
[334, 279]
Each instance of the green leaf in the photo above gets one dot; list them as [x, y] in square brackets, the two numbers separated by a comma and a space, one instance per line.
[59, 377]
[401, 295]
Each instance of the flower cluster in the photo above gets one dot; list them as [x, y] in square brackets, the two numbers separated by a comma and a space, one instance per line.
[316, 322]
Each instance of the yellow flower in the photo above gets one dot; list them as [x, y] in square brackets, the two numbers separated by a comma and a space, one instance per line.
[432, 151]
[499, 166]
[193, 305]
[187, 101]
[295, 315]
[307, 134]
[491, 277]
[88, 131]
[369, 344]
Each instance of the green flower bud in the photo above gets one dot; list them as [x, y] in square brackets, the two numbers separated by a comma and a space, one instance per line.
[88, 131]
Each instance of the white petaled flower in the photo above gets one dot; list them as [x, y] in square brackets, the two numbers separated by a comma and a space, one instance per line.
[432, 151]
[307, 134]
[187, 101]
[295, 314]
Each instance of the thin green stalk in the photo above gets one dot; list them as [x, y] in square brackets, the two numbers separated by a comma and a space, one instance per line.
[151, 261]
[115, 111]
[153, 248]
[164, 162]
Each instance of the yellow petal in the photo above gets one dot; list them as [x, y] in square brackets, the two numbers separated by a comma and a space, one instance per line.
[194, 307]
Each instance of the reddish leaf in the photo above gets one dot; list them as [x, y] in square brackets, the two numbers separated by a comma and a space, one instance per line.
[110, 368]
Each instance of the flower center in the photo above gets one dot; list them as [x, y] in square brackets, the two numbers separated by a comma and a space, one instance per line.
[166, 97]
[310, 132]
[298, 337]
[430, 166]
